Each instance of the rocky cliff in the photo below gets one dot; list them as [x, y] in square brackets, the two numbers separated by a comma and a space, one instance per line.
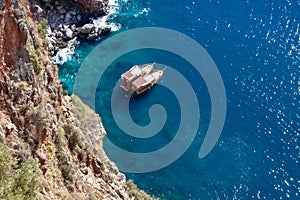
[59, 134]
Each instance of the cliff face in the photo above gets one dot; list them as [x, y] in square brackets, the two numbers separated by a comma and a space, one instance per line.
[61, 134]
[92, 7]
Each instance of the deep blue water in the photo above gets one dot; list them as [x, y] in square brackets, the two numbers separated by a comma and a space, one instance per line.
[256, 47]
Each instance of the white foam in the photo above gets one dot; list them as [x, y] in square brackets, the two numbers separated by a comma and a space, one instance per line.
[63, 55]
[113, 6]
[144, 11]
[102, 22]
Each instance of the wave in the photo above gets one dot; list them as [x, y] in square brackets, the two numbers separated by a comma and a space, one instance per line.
[103, 21]
[65, 54]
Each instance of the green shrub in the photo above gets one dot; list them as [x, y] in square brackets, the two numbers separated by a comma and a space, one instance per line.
[64, 166]
[50, 149]
[91, 195]
[83, 113]
[63, 163]
[73, 140]
[38, 116]
[133, 191]
[65, 92]
[17, 182]
[2, 138]
[26, 181]
[36, 61]
[73, 136]
[6, 164]
[42, 28]
[58, 138]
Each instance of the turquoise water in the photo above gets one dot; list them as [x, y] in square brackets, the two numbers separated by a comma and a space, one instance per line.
[255, 45]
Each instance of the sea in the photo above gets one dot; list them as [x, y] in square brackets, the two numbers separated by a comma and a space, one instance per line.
[255, 46]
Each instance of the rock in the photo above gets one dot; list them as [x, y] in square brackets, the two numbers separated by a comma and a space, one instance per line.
[68, 16]
[99, 31]
[51, 40]
[59, 8]
[19, 14]
[84, 170]
[92, 36]
[78, 17]
[41, 156]
[65, 26]
[73, 27]
[92, 7]
[62, 11]
[86, 29]
[11, 127]
[73, 12]
[49, 31]
[16, 145]
[69, 33]
[93, 30]
[79, 185]
[23, 26]
[97, 166]
[121, 177]
[59, 34]
[61, 45]
[37, 9]
[48, 5]
[105, 30]
[20, 71]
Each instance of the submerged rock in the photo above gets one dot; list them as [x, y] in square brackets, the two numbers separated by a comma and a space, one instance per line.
[105, 30]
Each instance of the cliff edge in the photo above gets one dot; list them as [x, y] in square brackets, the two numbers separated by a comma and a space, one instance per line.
[50, 144]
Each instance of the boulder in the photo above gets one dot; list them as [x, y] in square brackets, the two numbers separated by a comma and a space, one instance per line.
[68, 16]
[37, 9]
[59, 34]
[73, 27]
[69, 33]
[86, 29]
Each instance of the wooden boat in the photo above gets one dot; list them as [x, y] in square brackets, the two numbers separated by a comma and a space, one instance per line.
[133, 73]
[139, 82]
[144, 83]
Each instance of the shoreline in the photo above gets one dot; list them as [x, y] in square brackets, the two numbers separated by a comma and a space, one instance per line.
[68, 23]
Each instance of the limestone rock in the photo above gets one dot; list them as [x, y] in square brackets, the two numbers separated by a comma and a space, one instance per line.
[69, 33]
[87, 28]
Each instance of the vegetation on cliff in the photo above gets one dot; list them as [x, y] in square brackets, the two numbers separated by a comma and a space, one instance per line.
[17, 180]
